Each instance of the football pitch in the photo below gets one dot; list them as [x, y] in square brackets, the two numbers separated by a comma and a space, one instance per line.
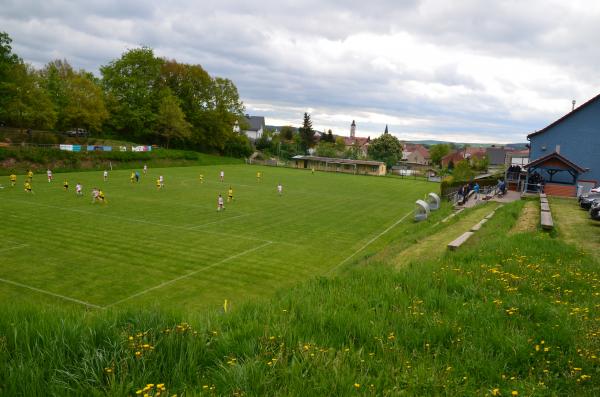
[171, 247]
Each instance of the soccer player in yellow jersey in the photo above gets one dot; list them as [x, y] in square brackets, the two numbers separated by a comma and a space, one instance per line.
[158, 184]
[13, 180]
[230, 194]
[66, 185]
[28, 187]
[258, 176]
[101, 196]
[132, 177]
[30, 175]
[201, 178]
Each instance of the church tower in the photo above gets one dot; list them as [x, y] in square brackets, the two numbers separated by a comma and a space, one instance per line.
[352, 129]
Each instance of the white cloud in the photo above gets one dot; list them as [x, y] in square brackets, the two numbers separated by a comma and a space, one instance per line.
[463, 70]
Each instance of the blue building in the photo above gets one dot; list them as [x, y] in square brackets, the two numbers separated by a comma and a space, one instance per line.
[566, 153]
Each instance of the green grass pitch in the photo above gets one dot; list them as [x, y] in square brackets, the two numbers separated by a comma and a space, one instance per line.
[171, 247]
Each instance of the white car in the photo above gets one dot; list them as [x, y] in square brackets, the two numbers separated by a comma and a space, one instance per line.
[595, 190]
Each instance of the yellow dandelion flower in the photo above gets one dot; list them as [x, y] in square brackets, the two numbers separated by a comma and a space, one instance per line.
[357, 385]
[496, 392]
[514, 393]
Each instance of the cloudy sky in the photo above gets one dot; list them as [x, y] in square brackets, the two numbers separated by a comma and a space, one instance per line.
[461, 70]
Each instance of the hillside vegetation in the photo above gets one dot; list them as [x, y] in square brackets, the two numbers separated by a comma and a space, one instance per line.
[17, 159]
[508, 314]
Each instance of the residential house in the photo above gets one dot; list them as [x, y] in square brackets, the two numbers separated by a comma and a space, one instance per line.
[469, 153]
[256, 126]
[566, 153]
[416, 154]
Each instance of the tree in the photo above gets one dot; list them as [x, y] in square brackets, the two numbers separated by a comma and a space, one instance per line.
[340, 144]
[287, 133]
[437, 152]
[171, 120]
[326, 149]
[133, 89]
[77, 98]
[386, 148]
[328, 137]
[8, 61]
[462, 171]
[25, 103]
[307, 134]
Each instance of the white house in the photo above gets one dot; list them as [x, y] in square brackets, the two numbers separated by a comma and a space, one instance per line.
[256, 126]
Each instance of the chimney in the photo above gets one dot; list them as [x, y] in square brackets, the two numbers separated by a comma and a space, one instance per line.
[573, 105]
[557, 149]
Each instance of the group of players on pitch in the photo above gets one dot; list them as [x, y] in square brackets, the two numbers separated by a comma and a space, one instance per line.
[99, 196]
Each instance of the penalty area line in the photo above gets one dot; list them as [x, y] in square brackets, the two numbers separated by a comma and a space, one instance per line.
[41, 291]
[368, 243]
[184, 276]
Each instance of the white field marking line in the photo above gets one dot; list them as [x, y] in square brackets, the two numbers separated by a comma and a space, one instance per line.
[369, 242]
[14, 248]
[188, 274]
[154, 223]
[41, 291]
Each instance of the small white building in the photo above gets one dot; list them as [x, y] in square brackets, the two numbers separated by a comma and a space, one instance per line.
[256, 127]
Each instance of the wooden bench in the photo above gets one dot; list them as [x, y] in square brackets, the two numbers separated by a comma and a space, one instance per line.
[460, 241]
[546, 220]
[545, 207]
[478, 226]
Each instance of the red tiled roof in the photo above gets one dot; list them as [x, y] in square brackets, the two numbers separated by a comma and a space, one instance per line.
[349, 141]
[597, 97]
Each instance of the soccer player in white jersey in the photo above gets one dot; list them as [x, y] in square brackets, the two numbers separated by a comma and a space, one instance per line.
[280, 189]
[105, 175]
[79, 189]
[49, 173]
[220, 205]
[222, 175]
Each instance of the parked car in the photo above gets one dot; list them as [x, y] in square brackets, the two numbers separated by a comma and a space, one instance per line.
[595, 210]
[585, 201]
[77, 132]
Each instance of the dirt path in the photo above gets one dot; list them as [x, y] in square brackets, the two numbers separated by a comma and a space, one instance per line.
[436, 244]
[528, 219]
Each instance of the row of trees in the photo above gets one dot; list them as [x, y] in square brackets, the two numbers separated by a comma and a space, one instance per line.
[139, 97]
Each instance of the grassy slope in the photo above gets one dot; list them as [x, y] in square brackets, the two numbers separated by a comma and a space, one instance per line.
[516, 313]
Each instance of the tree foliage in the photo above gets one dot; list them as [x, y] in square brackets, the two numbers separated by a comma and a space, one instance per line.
[171, 120]
[139, 97]
[77, 97]
[307, 134]
[386, 148]
[25, 103]
[462, 171]
[437, 152]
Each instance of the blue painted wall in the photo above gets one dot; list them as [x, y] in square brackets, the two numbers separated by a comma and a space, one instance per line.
[579, 138]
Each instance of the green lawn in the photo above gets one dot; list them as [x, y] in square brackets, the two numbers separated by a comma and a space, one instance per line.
[173, 248]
